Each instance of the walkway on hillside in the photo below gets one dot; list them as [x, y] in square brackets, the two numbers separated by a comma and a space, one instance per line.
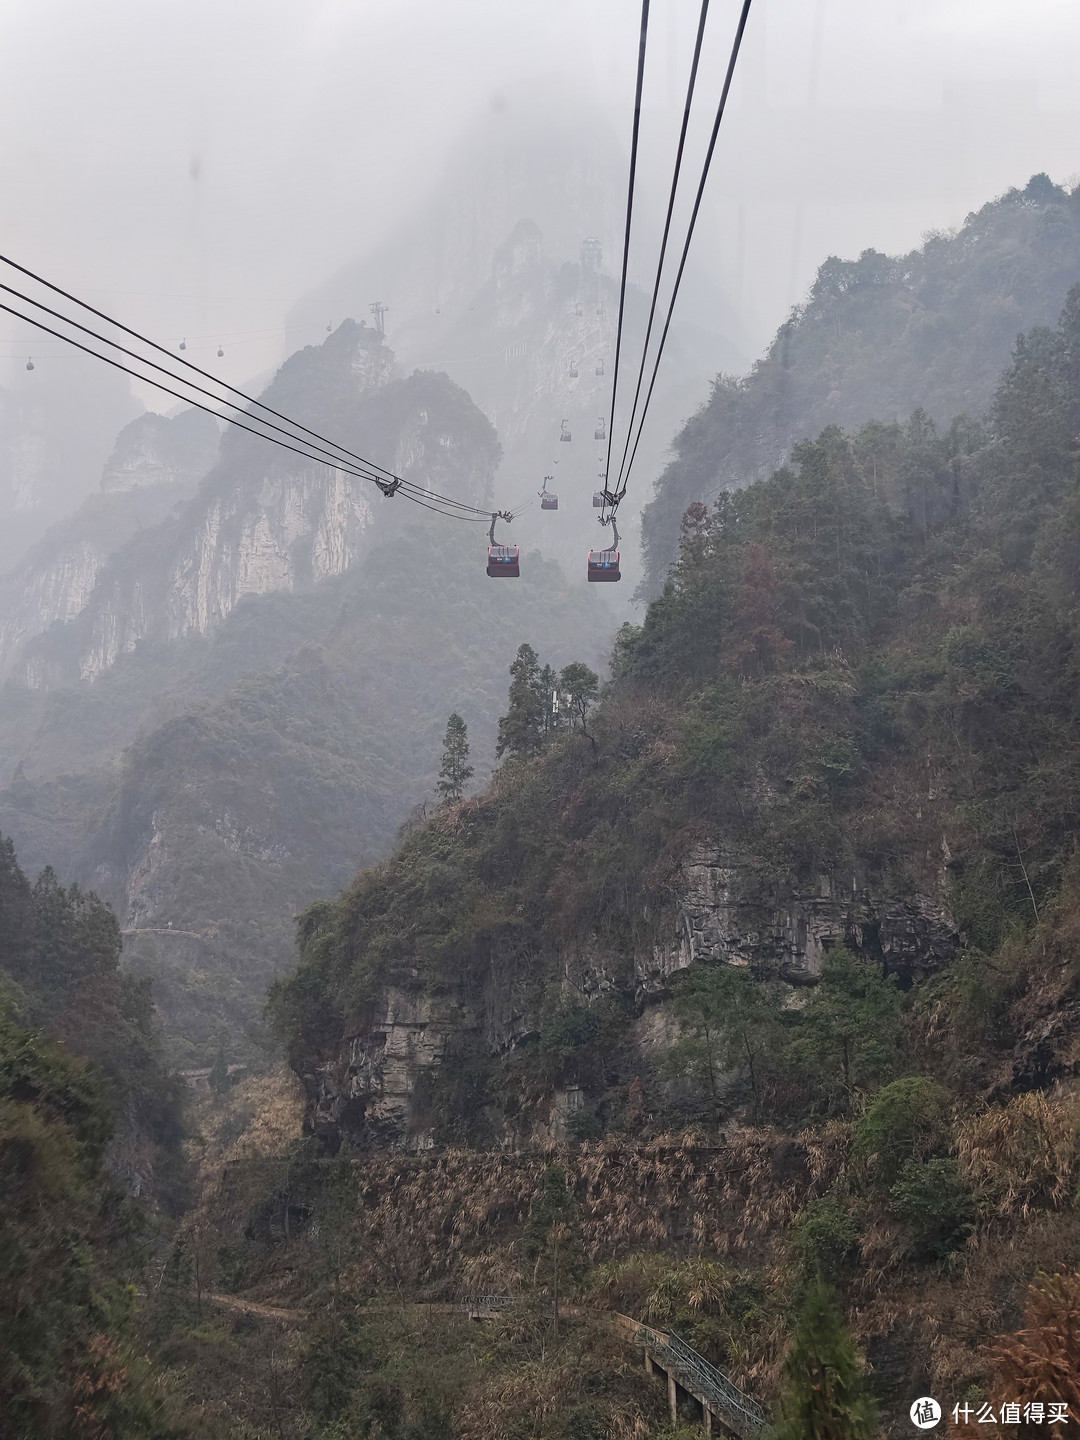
[722, 1403]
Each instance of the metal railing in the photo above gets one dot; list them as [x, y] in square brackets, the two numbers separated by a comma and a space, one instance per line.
[673, 1353]
[711, 1384]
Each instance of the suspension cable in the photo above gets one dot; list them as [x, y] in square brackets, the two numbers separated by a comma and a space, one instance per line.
[629, 215]
[367, 470]
[667, 226]
[304, 454]
[143, 339]
[621, 488]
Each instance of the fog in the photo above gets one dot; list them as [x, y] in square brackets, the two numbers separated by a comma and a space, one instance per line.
[197, 168]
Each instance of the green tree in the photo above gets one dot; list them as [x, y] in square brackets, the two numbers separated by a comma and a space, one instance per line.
[14, 911]
[729, 1022]
[455, 771]
[521, 729]
[548, 684]
[847, 1034]
[907, 1120]
[580, 686]
[825, 1395]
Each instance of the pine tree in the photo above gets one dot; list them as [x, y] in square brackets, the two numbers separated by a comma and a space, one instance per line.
[455, 771]
[521, 729]
[825, 1395]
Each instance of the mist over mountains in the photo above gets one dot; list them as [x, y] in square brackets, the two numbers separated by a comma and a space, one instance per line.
[492, 281]
[58, 425]
[250, 695]
[880, 336]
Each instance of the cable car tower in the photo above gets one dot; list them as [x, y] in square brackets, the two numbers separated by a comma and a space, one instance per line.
[378, 309]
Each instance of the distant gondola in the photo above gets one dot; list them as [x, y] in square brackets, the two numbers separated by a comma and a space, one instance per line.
[564, 433]
[599, 367]
[29, 364]
[182, 345]
[549, 500]
[573, 370]
[600, 433]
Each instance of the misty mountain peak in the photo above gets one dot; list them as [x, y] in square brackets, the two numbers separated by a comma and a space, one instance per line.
[158, 450]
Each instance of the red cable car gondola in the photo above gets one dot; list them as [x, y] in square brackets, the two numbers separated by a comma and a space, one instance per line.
[502, 560]
[604, 564]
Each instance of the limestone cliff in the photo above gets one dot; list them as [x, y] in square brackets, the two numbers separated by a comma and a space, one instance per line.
[156, 464]
[264, 520]
[373, 1093]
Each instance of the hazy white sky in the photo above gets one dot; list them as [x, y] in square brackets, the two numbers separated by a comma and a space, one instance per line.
[196, 165]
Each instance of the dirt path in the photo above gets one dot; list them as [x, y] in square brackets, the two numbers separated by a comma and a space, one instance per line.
[253, 1307]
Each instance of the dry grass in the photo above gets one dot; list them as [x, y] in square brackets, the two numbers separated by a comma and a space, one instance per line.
[1042, 1361]
[951, 1318]
[1025, 1154]
[429, 1217]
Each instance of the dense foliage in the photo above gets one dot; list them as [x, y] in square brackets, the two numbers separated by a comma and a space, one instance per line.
[860, 677]
[879, 337]
[214, 785]
[84, 1104]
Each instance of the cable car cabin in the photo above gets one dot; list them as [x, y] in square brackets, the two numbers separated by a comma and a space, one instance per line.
[599, 367]
[600, 433]
[564, 434]
[504, 560]
[549, 501]
[598, 499]
[573, 371]
[604, 565]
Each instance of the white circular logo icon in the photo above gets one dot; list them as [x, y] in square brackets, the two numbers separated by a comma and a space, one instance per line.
[925, 1413]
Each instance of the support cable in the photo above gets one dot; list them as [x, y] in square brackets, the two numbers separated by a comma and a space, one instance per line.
[667, 225]
[621, 488]
[369, 470]
[232, 420]
[642, 42]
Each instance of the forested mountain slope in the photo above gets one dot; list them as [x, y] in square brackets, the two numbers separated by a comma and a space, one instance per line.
[89, 1122]
[253, 694]
[805, 878]
[878, 338]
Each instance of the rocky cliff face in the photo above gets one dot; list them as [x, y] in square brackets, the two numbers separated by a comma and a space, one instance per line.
[156, 463]
[372, 1094]
[732, 914]
[264, 520]
[159, 450]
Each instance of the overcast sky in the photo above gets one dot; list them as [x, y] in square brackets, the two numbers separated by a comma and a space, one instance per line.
[196, 165]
